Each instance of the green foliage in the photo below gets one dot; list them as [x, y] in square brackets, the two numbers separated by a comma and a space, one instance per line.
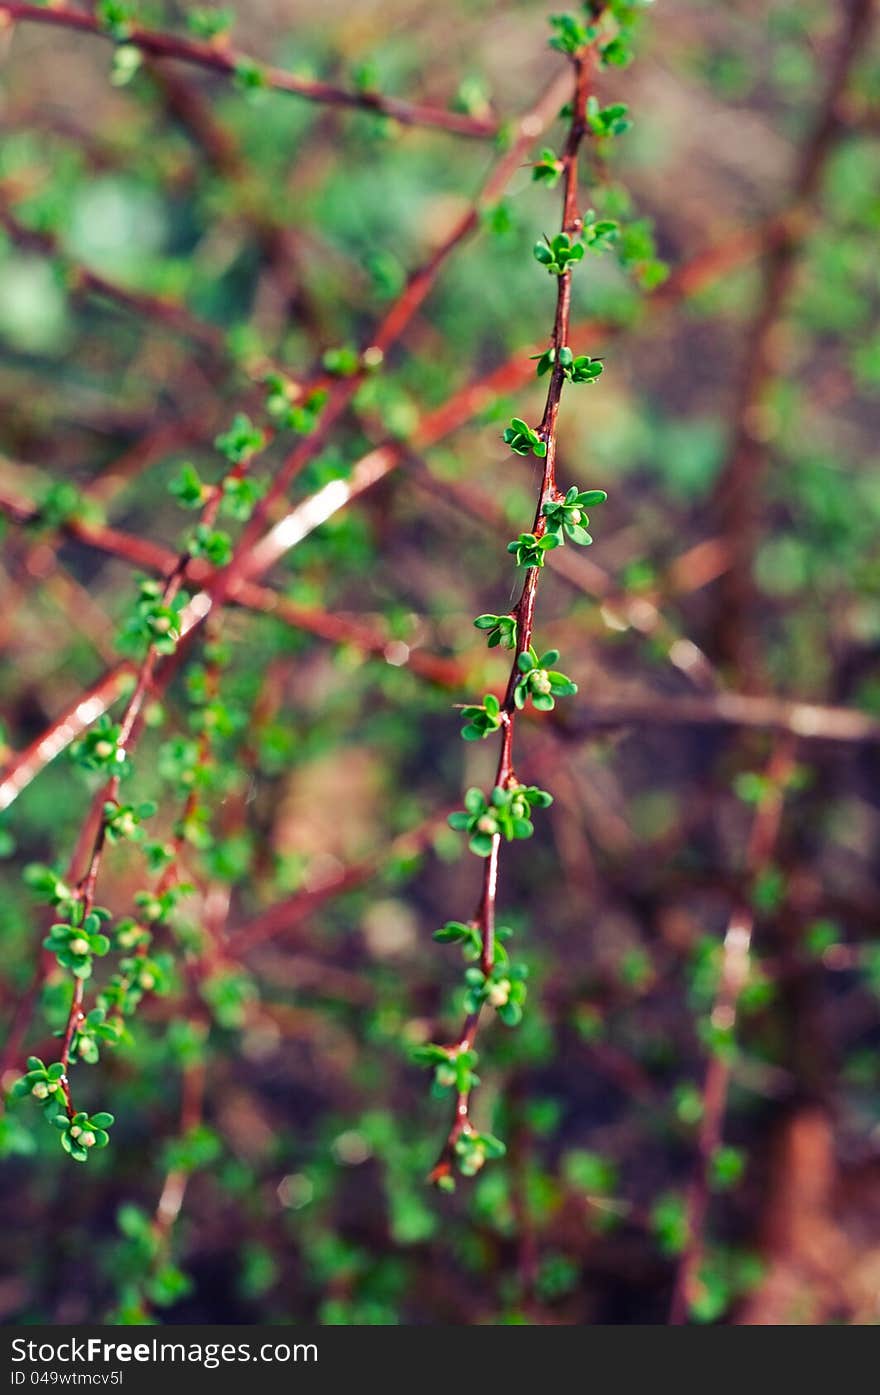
[580, 369]
[188, 488]
[607, 121]
[599, 234]
[570, 34]
[531, 550]
[342, 362]
[98, 749]
[117, 17]
[75, 945]
[473, 1150]
[539, 681]
[212, 544]
[523, 439]
[289, 409]
[82, 1132]
[559, 254]
[209, 23]
[241, 494]
[48, 886]
[567, 517]
[501, 630]
[123, 821]
[242, 441]
[548, 169]
[250, 77]
[60, 504]
[483, 720]
[669, 1223]
[43, 1083]
[504, 989]
[93, 1031]
[289, 761]
[506, 813]
[727, 1166]
[154, 622]
[454, 1068]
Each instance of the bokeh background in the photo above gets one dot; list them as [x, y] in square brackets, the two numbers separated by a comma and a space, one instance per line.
[724, 631]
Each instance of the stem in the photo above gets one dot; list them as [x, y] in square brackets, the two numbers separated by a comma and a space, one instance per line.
[737, 500]
[108, 793]
[524, 611]
[220, 57]
[735, 955]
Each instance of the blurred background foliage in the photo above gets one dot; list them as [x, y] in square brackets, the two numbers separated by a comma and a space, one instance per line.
[306, 1161]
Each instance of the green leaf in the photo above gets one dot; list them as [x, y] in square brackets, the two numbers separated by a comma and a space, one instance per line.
[481, 844]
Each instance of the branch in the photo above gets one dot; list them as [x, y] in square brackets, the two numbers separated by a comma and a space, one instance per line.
[257, 554]
[806, 720]
[733, 976]
[220, 57]
[737, 498]
[523, 612]
[289, 914]
[122, 742]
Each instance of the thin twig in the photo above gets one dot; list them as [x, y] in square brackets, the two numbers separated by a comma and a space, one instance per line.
[737, 498]
[220, 57]
[524, 610]
[733, 975]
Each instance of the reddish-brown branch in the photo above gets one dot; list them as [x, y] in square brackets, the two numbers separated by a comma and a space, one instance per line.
[737, 499]
[805, 720]
[65, 729]
[734, 971]
[257, 554]
[287, 915]
[221, 57]
[524, 610]
[337, 629]
[511, 376]
[434, 426]
[176, 1180]
[126, 738]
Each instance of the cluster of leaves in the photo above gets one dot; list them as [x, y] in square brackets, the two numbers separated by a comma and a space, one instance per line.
[80, 1132]
[560, 253]
[78, 941]
[539, 681]
[44, 1083]
[502, 988]
[482, 720]
[292, 409]
[506, 814]
[580, 369]
[609, 26]
[567, 517]
[98, 749]
[155, 620]
[607, 121]
[500, 630]
[523, 439]
[530, 550]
